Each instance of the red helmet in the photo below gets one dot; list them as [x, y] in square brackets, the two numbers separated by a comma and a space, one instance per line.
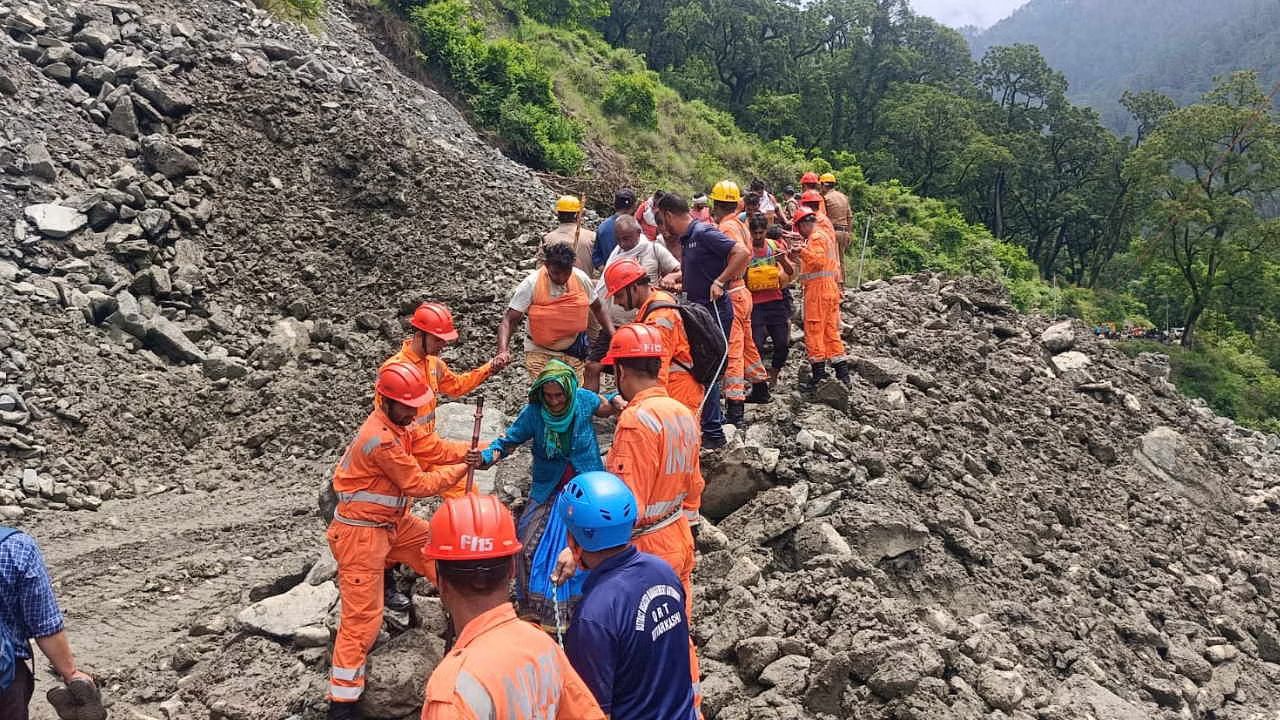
[404, 383]
[809, 178]
[435, 318]
[802, 213]
[811, 196]
[471, 527]
[634, 341]
[621, 274]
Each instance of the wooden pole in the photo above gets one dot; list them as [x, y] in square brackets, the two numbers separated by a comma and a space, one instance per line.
[475, 441]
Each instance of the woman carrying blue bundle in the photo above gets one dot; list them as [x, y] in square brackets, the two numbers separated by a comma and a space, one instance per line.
[557, 423]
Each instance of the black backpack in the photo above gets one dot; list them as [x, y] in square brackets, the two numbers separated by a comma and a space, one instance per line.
[707, 342]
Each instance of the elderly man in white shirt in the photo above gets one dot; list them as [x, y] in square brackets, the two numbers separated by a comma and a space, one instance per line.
[655, 258]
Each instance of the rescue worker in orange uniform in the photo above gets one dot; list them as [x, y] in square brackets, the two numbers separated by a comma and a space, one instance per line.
[655, 451]
[433, 331]
[500, 667]
[376, 481]
[837, 207]
[627, 283]
[813, 200]
[811, 181]
[744, 364]
[819, 272]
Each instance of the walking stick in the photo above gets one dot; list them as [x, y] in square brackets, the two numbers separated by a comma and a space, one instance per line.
[577, 227]
[475, 442]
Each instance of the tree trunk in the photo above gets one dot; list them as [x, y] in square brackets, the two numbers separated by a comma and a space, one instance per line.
[997, 224]
[1188, 328]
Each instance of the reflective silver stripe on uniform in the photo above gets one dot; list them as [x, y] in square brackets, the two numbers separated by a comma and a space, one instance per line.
[677, 367]
[738, 288]
[360, 523]
[691, 516]
[425, 419]
[342, 692]
[475, 696]
[393, 501]
[661, 509]
[665, 323]
[650, 421]
[348, 674]
[817, 275]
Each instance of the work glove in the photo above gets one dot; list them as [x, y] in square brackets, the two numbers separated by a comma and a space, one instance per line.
[79, 699]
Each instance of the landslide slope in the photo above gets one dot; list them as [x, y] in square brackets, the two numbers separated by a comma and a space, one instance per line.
[269, 200]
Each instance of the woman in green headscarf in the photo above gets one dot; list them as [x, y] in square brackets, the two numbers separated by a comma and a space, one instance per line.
[557, 419]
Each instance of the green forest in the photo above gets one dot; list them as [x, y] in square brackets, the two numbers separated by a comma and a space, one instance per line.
[1176, 47]
[979, 166]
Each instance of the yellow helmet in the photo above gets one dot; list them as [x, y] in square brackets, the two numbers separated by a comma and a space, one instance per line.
[726, 191]
[568, 204]
[827, 178]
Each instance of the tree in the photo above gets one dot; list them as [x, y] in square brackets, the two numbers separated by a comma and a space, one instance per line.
[1204, 170]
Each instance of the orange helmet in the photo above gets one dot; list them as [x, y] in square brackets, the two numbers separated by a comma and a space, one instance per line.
[803, 213]
[471, 527]
[634, 340]
[435, 318]
[809, 178]
[621, 274]
[404, 383]
[811, 196]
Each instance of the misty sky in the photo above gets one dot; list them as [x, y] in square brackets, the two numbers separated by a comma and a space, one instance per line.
[957, 13]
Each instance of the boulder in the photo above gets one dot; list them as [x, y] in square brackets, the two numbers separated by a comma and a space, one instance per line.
[1069, 361]
[40, 162]
[281, 616]
[740, 473]
[287, 339]
[879, 533]
[165, 337]
[167, 158]
[788, 675]
[1058, 337]
[167, 99]
[1002, 689]
[55, 221]
[1165, 455]
[817, 537]
[1153, 365]
[396, 671]
[768, 515]
[881, 371]
[1081, 697]
[123, 119]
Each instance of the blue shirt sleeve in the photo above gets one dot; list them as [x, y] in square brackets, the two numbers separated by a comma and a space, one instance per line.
[604, 242]
[516, 435]
[37, 608]
[593, 652]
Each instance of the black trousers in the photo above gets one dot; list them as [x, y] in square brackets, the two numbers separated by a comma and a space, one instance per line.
[14, 700]
[772, 320]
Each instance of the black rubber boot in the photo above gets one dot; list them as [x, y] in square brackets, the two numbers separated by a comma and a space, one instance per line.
[392, 598]
[817, 373]
[344, 711]
[842, 373]
[759, 393]
[735, 412]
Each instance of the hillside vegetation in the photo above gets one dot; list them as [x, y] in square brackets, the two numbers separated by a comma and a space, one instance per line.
[1175, 47]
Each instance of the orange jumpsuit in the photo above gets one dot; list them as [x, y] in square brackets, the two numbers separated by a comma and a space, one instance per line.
[678, 358]
[820, 273]
[441, 380]
[744, 364]
[503, 668]
[655, 452]
[376, 481]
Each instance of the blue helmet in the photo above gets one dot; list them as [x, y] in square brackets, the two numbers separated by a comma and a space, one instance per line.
[599, 510]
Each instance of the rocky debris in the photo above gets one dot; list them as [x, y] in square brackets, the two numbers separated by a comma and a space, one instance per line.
[167, 158]
[397, 674]
[1037, 477]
